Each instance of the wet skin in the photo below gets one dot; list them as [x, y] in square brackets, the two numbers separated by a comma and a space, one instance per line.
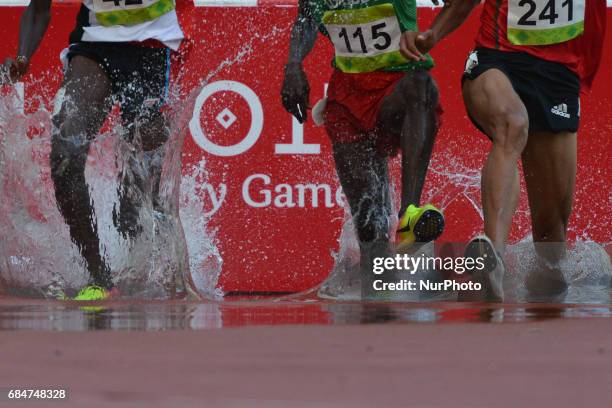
[408, 113]
[549, 163]
[85, 107]
[549, 160]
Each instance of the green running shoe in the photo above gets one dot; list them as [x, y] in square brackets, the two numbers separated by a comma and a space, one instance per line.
[419, 224]
[92, 292]
[88, 293]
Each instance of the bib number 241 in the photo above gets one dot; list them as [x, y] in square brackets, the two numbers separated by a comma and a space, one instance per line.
[544, 22]
[548, 14]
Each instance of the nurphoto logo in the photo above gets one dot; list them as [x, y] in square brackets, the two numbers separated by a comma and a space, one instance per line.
[404, 263]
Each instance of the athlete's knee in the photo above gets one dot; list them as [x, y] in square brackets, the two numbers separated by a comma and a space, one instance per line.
[510, 131]
[68, 156]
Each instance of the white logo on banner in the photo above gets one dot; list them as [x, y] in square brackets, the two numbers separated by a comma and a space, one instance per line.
[226, 118]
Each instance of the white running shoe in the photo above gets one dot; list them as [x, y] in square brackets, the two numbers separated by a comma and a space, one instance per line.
[490, 277]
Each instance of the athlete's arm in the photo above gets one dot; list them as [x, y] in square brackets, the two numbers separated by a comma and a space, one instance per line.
[296, 91]
[415, 45]
[34, 22]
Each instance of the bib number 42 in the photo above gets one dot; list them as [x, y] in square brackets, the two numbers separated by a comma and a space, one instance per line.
[115, 5]
[120, 3]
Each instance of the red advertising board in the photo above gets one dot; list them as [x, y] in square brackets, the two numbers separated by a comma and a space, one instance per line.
[271, 196]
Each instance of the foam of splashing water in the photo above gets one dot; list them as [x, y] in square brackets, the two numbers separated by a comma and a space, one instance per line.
[36, 253]
[205, 262]
[587, 267]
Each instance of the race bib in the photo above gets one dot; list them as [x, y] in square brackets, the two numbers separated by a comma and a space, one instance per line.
[365, 39]
[130, 12]
[544, 22]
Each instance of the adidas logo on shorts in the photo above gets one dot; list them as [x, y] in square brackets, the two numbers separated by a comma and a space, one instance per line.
[561, 110]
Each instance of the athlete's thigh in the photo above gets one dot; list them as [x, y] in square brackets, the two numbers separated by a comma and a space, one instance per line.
[493, 104]
[142, 99]
[86, 100]
[415, 93]
[143, 91]
[417, 87]
[549, 164]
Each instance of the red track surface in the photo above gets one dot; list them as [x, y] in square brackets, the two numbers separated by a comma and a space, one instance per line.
[534, 363]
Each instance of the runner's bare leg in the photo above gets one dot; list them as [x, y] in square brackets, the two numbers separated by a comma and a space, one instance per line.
[549, 163]
[495, 106]
[410, 112]
[85, 107]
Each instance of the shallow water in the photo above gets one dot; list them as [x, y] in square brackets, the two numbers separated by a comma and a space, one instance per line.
[586, 268]
[305, 309]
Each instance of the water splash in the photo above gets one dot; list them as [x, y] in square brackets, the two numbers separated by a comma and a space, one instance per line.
[205, 261]
[38, 256]
[586, 267]
[165, 253]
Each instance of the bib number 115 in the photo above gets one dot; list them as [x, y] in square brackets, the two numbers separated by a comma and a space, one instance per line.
[355, 41]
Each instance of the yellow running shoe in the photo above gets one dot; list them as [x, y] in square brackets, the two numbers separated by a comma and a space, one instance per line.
[91, 293]
[419, 224]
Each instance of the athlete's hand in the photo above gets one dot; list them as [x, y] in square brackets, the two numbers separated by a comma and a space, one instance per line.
[296, 91]
[414, 45]
[13, 70]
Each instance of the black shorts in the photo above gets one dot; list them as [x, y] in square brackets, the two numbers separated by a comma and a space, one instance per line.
[549, 90]
[139, 75]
